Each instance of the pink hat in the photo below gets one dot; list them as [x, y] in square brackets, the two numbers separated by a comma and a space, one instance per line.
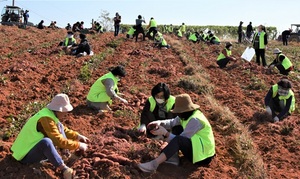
[60, 103]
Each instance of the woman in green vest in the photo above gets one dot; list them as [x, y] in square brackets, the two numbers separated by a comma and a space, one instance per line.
[281, 62]
[159, 41]
[105, 90]
[280, 100]
[196, 142]
[157, 107]
[260, 41]
[43, 132]
[225, 56]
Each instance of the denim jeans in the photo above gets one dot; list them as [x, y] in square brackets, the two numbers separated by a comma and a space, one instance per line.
[43, 150]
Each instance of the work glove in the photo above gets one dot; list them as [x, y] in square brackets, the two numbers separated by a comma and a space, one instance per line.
[160, 131]
[158, 122]
[276, 119]
[142, 128]
[269, 110]
[82, 138]
[122, 100]
[83, 146]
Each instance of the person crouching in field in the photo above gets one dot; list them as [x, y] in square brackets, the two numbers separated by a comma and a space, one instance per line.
[105, 90]
[43, 132]
[68, 43]
[225, 56]
[159, 41]
[196, 142]
[281, 62]
[157, 107]
[280, 100]
[131, 32]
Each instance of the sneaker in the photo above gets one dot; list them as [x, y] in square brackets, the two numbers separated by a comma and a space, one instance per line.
[148, 166]
[174, 160]
[68, 173]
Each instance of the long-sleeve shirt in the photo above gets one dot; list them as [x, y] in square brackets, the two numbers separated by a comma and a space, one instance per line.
[48, 127]
[109, 86]
[277, 102]
[193, 126]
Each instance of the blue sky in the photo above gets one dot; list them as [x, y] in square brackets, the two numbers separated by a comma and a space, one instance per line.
[278, 13]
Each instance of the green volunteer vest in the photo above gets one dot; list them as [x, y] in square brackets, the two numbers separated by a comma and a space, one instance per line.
[131, 31]
[67, 41]
[179, 34]
[284, 98]
[216, 38]
[193, 37]
[29, 136]
[153, 23]
[203, 141]
[183, 28]
[261, 39]
[98, 93]
[170, 29]
[222, 56]
[286, 63]
[169, 105]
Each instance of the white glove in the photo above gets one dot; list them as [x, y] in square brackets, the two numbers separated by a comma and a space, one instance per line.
[160, 131]
[82, 138]
[158, 122]
[122, 100]
[83, 146]
[276, 119]
[268, 110]
[142, 128]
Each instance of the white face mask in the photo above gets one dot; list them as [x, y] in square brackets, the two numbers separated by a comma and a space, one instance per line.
[283, 92]
[160, 101]
[230, 47]
[118, 79]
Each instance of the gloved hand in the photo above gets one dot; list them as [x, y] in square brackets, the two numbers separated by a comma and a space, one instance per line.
[82, 138]
[276, 119]
[160, 131]
[269, 110]
[158, 122]
[142, 128]
[83, 146]
[122, 100]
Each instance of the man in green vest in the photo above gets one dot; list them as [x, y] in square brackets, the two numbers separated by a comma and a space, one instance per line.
[281, 62]
[213, 39]
[280, 100]
[260, 41]
[194, 37]
[152, 26]
[225, 56]
[105, 90]
[43, 132]
[182, 29]
[157, 107]
[170, 29]
[196, 142]
[68, 43]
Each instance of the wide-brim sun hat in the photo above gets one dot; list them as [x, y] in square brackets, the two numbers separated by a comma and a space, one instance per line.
[183, 103]
[276, 51]
[60, 103]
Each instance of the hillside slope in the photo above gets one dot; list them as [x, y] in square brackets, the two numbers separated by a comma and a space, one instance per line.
[33, 70]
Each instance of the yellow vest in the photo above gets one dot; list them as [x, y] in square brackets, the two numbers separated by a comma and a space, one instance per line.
[284, 98]
[203, 142]
[169, 105]
[153, 23]
[261, 39]
[222, 56]
[98, 93]
[286, 63]
[29, 136]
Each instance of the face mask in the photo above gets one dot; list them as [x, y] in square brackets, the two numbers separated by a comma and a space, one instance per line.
[160, 101]
[283, 92]
[230, 47]
[118, 79]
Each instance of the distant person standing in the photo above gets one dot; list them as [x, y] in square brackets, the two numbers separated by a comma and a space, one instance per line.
[260, 41]
[285, 35]
[26, 16]
[117, 21]
[240, 32]
[139, 29]
[249, 30]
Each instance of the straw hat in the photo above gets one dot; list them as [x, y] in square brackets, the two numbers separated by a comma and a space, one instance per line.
[60, 103]
[183, 103]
